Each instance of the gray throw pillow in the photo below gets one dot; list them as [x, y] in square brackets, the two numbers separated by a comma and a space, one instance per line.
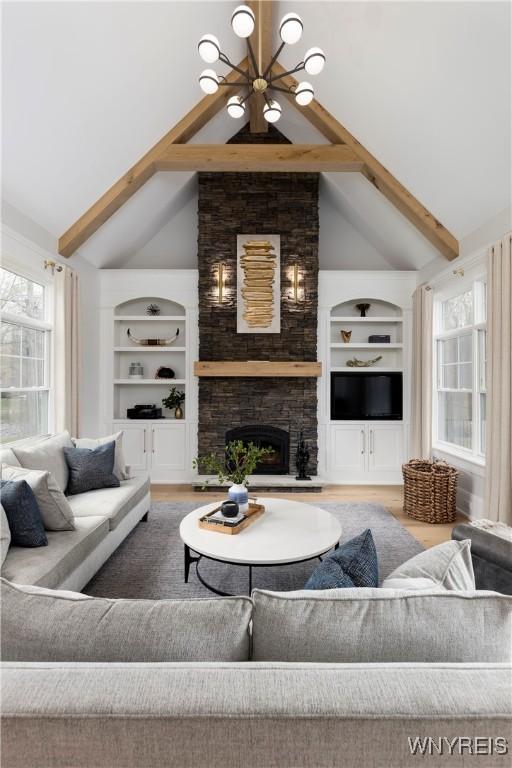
[57, 626]
[54, 507]
[91, 469]
[23, 515]
[446, 566]
[353, 564]
[338, 626]
[94, 442]
[47, 455]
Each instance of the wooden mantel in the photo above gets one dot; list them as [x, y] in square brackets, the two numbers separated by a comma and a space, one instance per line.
[257, 368]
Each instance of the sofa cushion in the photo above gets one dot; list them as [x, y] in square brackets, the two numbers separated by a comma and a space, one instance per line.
[66, 550]
[119, 462]
[382, 625]
[44, 627]
[5, 535]
[47, 454]
[353, 564]
[7, 456]
[23, 514]
[53, 505]
[447, 566]
[91, 468]
[111, 503]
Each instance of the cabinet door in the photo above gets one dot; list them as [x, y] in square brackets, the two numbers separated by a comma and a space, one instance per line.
[168, 449]
[135, 445]
[348, 451]
[385, 447]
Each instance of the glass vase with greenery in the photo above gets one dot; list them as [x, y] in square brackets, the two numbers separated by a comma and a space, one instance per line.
[238, 462]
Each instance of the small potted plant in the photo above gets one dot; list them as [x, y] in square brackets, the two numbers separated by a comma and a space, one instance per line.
[174, 399]
[239, 461]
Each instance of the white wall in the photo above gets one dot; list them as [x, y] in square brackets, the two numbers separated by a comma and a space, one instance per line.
[26, 243]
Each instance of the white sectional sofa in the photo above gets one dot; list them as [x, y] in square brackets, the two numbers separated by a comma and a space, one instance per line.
[103, 519]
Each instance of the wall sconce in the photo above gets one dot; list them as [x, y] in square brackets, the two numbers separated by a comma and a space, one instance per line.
[295, 281]
[220, 281]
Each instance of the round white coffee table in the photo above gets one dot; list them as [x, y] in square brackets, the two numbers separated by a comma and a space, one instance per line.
[287, 532]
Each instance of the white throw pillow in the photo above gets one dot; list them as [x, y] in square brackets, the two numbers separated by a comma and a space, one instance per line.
[31, 589]
[5, 535]
[119, 463]
[47, 455]
[447, 566]
[55, 509]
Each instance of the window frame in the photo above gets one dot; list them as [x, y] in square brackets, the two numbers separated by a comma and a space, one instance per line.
[477, 284]
[46, 325]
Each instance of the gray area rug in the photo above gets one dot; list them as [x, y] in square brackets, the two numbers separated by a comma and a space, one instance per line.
[149, 563]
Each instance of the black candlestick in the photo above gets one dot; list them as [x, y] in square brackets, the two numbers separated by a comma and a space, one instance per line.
[302, 459]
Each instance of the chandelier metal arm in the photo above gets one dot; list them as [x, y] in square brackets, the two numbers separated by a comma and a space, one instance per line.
[225, 60]
[253, 59]
[281, 90]
[273, 61]
[298, 68]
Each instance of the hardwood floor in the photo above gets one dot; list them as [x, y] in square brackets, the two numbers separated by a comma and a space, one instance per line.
[390, 496]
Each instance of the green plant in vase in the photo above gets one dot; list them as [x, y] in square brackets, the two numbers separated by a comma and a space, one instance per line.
[238, 462]
[174, 400]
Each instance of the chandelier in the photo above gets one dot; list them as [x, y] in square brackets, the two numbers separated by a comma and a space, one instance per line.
[262, 82]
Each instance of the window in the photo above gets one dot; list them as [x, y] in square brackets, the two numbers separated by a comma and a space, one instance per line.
[460, 371]
[24, 357]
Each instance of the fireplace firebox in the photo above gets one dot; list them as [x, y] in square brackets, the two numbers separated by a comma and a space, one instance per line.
[276, 463]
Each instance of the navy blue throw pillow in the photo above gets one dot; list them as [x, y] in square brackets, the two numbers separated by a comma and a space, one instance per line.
[353, 564]
[23, 514]
[91, 469]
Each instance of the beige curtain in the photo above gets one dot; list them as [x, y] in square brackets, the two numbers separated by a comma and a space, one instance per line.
[421, 404]
[67, 351]
[498, 492]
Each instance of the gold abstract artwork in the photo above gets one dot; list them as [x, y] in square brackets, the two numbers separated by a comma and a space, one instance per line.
[259, 273]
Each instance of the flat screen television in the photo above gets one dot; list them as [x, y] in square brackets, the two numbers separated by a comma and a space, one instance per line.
[366, 395]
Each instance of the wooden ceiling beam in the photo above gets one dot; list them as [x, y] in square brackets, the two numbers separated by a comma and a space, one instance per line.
[376, 173]
[256, 158]
[261, 42]
[145, 168]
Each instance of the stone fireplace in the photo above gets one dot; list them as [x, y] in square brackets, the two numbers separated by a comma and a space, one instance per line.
[285, 204]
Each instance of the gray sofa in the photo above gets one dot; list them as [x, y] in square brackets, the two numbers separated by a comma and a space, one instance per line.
[103, 518]
[93, 700]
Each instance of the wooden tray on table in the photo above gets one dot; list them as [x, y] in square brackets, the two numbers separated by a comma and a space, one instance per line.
[229, 526]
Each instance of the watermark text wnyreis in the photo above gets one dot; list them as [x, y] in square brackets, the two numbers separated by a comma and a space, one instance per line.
[458, 745]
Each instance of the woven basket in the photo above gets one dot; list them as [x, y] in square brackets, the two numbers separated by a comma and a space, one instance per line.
[430, 489]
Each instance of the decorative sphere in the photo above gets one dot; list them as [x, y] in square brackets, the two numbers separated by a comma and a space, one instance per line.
[304, 94]
[272, 111]
[314, 61]
[235, 108]
[209, 49]
[242, 21]
[290, 28]
[209, 81]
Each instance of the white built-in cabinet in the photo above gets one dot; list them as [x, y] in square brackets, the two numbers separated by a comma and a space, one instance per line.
[163, 447]
[364, 451]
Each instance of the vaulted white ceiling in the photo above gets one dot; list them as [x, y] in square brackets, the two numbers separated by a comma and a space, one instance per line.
[88, 87]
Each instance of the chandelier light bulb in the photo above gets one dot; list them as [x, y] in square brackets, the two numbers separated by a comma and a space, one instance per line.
[272, 111]
[304, 94]
[314, 61]
[290, 28]
[209, 81]
[243, 21]
[209, 49]
[235, 107]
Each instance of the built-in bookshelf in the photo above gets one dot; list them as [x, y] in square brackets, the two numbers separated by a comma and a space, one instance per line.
[129, 390]
[382, 318]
